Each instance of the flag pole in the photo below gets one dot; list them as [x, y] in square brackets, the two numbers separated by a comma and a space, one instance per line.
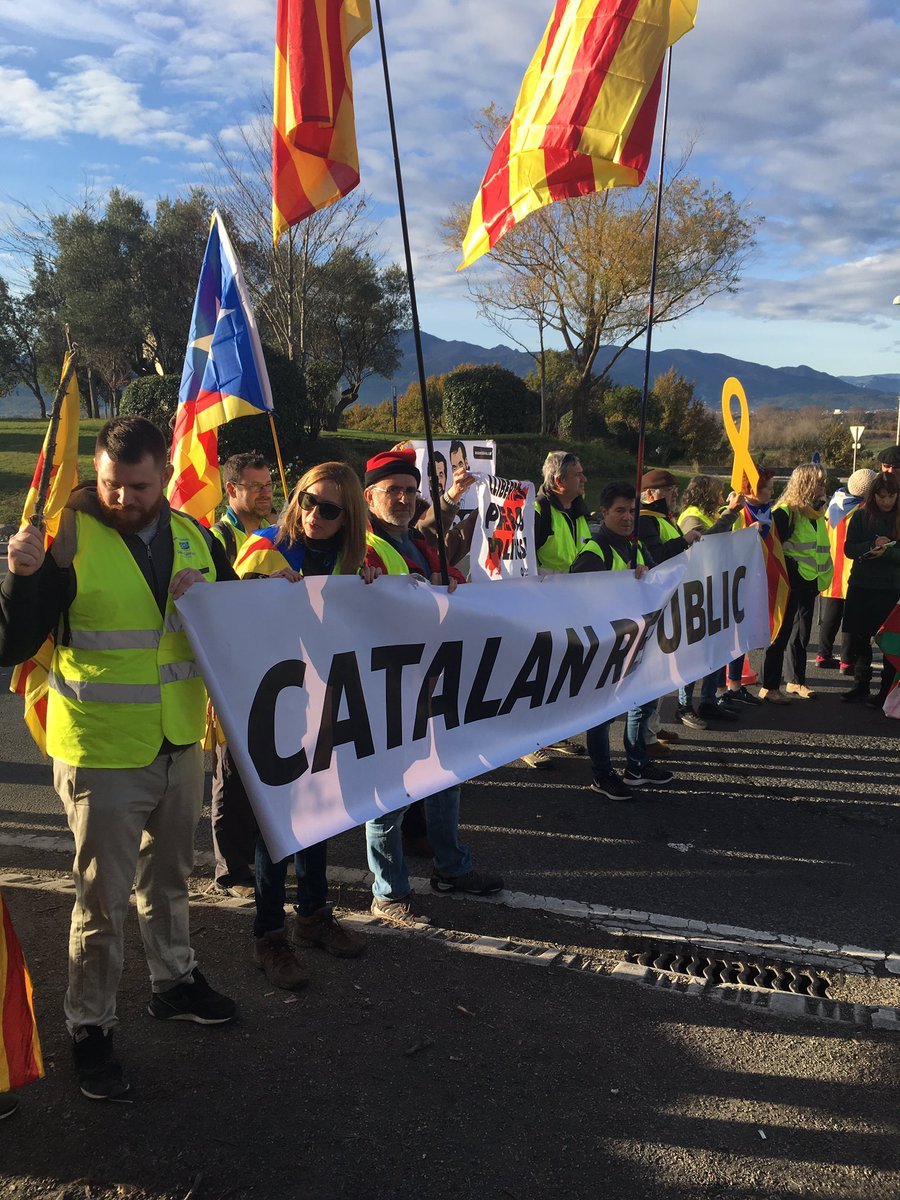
[645, 393]
[37, 517]
[284, 487]
[414, 312]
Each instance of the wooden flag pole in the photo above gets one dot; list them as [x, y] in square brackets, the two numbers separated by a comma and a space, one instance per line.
[284, 486]
[37, 517]
[414, 312]
[646, 388]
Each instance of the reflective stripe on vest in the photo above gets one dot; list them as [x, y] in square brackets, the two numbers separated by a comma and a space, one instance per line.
[808, 546]
[618, 562]
[693, 511]
[668, 530]
[126, 677]
[561, 549]
[391, 559]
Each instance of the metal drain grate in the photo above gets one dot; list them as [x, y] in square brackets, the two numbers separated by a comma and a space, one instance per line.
[759, 973]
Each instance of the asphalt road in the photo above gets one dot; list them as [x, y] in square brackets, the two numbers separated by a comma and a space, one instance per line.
[558, 1084]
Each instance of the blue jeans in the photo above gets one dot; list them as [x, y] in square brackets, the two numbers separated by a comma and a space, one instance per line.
[707, 689]
[736, 669]
[312, 885]
[634, 740]
[384, 845]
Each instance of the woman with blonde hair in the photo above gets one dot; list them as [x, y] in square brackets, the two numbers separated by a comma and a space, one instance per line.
[799, 521]
[322, 531]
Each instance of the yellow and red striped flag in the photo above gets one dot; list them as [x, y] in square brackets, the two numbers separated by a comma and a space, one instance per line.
[29, 679]
[314, 157]
[585, 114]
[777, 584]
[20, 1049]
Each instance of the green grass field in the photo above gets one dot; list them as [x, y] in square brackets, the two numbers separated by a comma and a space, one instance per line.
[519, 456]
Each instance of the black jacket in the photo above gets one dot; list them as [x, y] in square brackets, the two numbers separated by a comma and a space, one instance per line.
[587, 560]
[648, 531]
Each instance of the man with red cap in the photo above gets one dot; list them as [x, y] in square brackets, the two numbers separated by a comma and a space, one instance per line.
[391, 487]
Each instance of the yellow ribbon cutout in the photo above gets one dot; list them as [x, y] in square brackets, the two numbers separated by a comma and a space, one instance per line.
[739, 436]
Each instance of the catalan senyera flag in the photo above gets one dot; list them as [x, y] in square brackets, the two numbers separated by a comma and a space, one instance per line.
[586, 111]
[840, 510]
[20, 1049]
[779, 587]
[29, 679]
[314, 157]
[224, 377]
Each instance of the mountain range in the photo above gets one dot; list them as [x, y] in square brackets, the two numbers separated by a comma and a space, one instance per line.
[787, 387]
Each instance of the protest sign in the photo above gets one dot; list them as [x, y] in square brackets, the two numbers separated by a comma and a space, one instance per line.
[503, 537]
[351, 700]
[476, 454]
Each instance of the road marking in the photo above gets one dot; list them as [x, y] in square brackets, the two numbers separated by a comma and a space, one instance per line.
[618, 922]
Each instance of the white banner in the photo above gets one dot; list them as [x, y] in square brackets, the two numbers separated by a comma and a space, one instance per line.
[503, 537]
[478, 455]
[343, 700]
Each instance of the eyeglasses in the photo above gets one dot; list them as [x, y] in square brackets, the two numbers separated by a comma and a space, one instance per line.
[255, 487]
[398, 493]
[327, 510]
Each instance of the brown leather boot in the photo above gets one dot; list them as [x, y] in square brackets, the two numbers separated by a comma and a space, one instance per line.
[323, 929]
[275, 956]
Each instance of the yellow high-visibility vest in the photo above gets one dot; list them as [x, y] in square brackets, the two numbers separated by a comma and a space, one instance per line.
[808, 546]
[561, 549]
[391, 559]
[618, 562]
[693, 511]
[127, 677]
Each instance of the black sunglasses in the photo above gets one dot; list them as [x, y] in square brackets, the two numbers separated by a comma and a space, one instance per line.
[329, 511]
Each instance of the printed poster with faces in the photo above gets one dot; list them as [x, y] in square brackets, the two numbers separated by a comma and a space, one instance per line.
[477, 455]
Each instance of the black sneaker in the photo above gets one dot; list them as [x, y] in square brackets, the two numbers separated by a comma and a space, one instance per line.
[859, 692]
[8, 1105]
[472, 882]
[99, 1071]
[686, 715]
[743, 695]
[569, 747]
[650, 773]
[716, 712]
[194, 1001]
[612, 787]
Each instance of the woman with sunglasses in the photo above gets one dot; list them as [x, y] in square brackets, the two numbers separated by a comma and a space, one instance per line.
[321, 532]
[873, 543]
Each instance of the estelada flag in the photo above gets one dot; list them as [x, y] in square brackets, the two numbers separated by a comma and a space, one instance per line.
[314, 157]
[586, 111]
[888, 638]
[777, 582]
[20, 1049]
[224, 377]
[29, 679]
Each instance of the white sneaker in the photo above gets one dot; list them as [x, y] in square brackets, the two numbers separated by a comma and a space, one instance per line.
[801, 690]
[773, 696]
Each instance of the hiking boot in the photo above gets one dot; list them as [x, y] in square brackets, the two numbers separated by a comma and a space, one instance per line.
[242, 891]
[743, 695]
[859, 691]
[99, 1071]
[686, 715]
[8, 1105]
[398, 912]
[649, 773]
[276, 958]
[716, 711]
[612, 787]
[473, 882]
[773, 696]
[193, 1000]
[570, 748]
[656, 750]
[826, 662]
[323, 929]
[668, 735]
[539, 759]
[801, 690]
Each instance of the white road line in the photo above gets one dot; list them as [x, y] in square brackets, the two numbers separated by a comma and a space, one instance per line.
[616, 921]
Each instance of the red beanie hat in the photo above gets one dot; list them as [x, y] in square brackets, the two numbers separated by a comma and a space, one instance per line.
[392, 462]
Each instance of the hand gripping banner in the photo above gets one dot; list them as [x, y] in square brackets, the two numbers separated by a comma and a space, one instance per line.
[350, 700]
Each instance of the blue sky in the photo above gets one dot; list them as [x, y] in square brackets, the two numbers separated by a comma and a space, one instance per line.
[794, 105]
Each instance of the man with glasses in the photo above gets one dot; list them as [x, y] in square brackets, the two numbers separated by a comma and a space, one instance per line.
[248, 488]
[392, 482]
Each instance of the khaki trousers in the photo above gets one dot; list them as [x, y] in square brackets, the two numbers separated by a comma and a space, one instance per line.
[131, 827]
